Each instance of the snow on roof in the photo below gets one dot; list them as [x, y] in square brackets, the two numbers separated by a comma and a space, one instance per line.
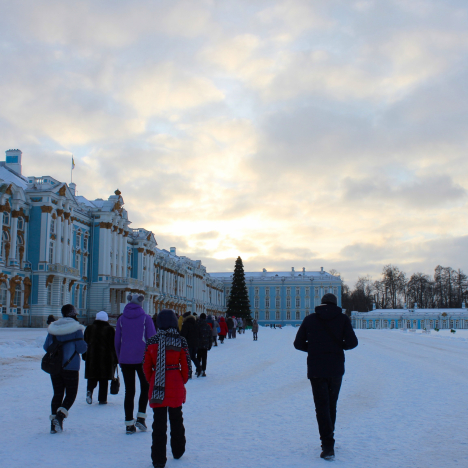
[84, 201]
[391, 312]
[11, 177]
[271, 275]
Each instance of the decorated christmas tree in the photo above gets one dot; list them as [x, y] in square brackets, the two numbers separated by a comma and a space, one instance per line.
[238, 303]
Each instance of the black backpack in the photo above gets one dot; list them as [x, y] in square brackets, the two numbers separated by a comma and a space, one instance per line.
[52, 360]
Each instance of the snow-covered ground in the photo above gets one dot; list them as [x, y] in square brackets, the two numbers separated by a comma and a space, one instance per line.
[403, 403]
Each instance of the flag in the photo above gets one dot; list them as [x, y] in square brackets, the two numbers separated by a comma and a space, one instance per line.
[73, 163]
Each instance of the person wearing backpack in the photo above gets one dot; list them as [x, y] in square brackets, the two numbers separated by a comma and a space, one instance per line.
[134, 328]
[100, 358]
[325, 335]
[67, 332]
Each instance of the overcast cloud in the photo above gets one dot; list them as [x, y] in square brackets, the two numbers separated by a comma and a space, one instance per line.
[293, 133]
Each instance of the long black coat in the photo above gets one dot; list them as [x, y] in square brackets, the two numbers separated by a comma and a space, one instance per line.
[100, 357]
[205, 335]
[190, 331]
[325, 348]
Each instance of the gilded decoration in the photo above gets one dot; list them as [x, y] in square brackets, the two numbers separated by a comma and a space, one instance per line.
[72, 282]
[64, 281]
[46, 209]
[6, 228]
[121, 230]
[114, 228]
[59, 212]
[3, 278]
[53, 237]
[21, 253]
[62, 191]
[54, 215]
[49, 280]
[141, 249]
[8, 191]
[118, 192]
[103, 225]
[149, 237]
[66, 215]
[126, 233]
[15, 214]
[27, 291]
[7, 250]
[6, 207]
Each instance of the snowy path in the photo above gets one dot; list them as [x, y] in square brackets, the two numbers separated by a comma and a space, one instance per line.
[403, 404]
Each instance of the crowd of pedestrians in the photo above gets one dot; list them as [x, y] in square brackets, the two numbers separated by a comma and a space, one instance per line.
[159, 351]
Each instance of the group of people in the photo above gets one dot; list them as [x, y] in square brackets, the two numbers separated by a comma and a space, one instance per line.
[144, 347]
[161, 353]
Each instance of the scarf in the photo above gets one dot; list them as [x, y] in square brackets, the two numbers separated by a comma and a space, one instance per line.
[170, 339]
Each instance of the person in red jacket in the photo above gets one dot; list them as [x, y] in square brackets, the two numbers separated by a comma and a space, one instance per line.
[167, 367]
[224, 329]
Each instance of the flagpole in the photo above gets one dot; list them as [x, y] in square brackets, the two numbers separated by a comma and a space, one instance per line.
[71, 171]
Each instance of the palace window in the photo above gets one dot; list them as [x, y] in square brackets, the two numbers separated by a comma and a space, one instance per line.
[267, 315]
[451, 323]
[52, 226]
[20, 224]
[256, 303]
[277, 315]
[307, 302]
[78, 240]
[85, 266]
[267, 302]
[6, 218]
[307, 313]
[392, 324]
[288, 302]
[83, 299]
[335, 291]
[267, 291]
[277, 290]
[256, 315]
[49, 294]
[298, 291]
[278, 302]
[385, 323]
[85, 243]
[256, 290]
[415, 324]
[436, 324]
[17, 298]
[51, 252]
[288, 315]
[288, 291]
[326, 290]
[298, 315]
[298, 302]
[307, 291]
[408, 324]
[316, 291]
[64, 299]
[77, 261]
[3, 294]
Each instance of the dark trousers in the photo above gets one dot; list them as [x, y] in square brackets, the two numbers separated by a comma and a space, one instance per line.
[229, 333]
[202, 356]
[193, 357]
[221, 338]
[103, 385]
[215, 340]
[158, 449]
[255, 336]
[64, 383]
[128, 372]
[233, 332]
[326, 393]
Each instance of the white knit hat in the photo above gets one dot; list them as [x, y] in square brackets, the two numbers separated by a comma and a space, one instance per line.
[102, 316]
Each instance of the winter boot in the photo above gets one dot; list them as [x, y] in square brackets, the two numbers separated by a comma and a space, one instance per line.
[52, 427]
[140, 422]
[89, 397]
[198, 373]
[328, 453]
[130, 427]
[159, 465]
[62, 413]
[203, 374]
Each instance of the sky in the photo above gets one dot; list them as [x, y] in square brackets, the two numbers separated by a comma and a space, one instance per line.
[293, 133]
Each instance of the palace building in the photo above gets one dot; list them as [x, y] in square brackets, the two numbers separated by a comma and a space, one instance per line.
[59, 248]
[285, 297]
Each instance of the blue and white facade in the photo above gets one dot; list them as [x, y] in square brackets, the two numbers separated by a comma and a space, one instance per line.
[411, 319]
[285, 297]
[60, 248]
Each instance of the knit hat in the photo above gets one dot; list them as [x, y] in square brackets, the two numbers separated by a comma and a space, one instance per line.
[203, 316]
[68, 310]
[329, 299]
[186, 314]
[102, 316]
[167, 319]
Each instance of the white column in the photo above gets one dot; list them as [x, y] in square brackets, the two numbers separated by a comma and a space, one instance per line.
[45, 236]
[58, 243]
[13, 237]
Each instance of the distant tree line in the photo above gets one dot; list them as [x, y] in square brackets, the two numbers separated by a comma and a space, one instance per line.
[448, 288]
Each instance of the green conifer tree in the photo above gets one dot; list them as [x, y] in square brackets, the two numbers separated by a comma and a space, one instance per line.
[238, 303]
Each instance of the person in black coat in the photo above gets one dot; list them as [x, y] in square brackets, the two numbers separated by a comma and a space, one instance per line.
[204, 342]
[230, 325]
[190, 332]
[325, 335]
[101, 359]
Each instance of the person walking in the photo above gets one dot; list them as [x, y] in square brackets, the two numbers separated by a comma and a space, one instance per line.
[100, 358]
[134, 328]
[234, 327]
[255, 330]
[324, 335]
[68, 331]
[167, 368]
[240, 325]
[215, 330]
[204, 343]
[223, 329]
[230, 326]
[190, 333]
[180, 321]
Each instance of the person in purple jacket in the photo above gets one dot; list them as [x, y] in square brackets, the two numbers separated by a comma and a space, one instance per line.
[134, 328]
